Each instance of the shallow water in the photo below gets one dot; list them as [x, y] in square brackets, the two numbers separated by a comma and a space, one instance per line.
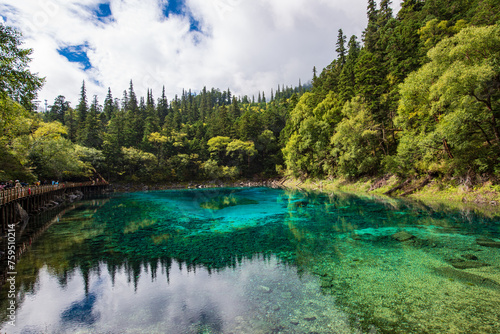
[258, 260]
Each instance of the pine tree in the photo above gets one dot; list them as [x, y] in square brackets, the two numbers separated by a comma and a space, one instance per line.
[71, 123]
[315, 77]
[152, 122]
[229, 97]
[124, 100]
[132, 103]
[82, 111]
[347, 80]
[92, 132]
[162, 108]
[134, 118]
[341, 51]
[109, 106]
[235, 109]
[58, 110]
[385, 13]
[370, 33]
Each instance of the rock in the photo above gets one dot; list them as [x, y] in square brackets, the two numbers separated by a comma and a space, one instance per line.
[487, 242]
[301, 203]
[471, 257]
[265, 289]
[22, 215]
[355, 236]
[466, 264]
[403, 236]
[326, 283]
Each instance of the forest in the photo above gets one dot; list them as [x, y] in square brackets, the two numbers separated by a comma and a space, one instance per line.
[417, 94]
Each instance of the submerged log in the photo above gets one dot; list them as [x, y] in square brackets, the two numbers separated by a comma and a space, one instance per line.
[466, 277]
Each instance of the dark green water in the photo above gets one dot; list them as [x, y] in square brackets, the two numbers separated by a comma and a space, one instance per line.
[259, 260]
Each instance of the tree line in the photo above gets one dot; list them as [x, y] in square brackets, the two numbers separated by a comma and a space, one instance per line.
[417, 93]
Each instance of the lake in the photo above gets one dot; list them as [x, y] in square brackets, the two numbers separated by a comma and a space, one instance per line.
[258, 260]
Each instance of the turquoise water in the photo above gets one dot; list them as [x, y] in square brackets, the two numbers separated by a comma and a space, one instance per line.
[259, 260]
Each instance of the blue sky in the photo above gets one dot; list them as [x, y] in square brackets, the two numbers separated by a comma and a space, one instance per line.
[103, 12]
[245, 45]
[76, 54]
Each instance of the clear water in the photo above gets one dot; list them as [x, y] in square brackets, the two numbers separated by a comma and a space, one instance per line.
[258, 260]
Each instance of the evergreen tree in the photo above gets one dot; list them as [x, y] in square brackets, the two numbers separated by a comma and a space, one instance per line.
[347, 81]
[82, 111]
[235, 109]
[385, 13]
[341, 51]
[91, 135]
[134, 118]
[315, 77]
[58, 110]
[370, 33]
[162, 107]
[71, 123]
[109, 106]
[152, 122]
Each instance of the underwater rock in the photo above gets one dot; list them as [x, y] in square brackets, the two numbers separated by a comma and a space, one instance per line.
[355, 236]
[265, 289]
[466, 277]
[403, 236]
[466, 264]
[326, 283]
[363, 236]
[487, 242]
[470, 257]
[310, 317]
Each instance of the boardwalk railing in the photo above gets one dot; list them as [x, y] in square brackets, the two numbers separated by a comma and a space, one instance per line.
[12, 194]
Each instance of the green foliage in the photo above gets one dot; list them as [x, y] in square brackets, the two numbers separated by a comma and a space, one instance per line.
[217, 147]
[435, 31]
[16, 81]
[137, 163]
[449, 108]
[52, 156]
[308, 150]
[356, 142]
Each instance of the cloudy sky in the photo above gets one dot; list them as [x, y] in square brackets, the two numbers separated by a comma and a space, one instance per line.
[245, 45]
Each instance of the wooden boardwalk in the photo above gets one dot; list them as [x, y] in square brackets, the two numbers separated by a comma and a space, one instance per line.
[33, 198]
[13, 194]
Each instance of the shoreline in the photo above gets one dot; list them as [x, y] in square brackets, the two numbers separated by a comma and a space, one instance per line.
[438, 193]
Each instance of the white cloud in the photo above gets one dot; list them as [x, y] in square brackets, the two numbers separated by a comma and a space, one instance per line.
[245, 45]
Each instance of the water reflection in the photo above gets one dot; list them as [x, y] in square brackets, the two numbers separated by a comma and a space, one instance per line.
[258, 259]
[259, 296]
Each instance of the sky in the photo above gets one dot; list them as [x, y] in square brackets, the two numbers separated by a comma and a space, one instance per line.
[244, 45]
